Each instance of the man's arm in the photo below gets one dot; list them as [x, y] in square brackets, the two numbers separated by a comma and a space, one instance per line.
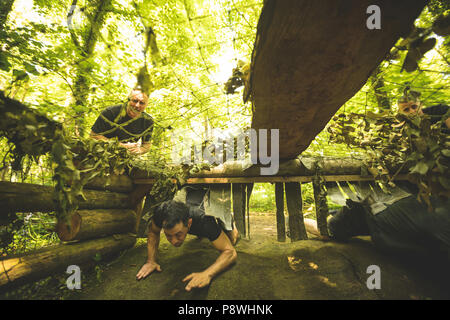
[135, 149]
[227, 256]
[152, 249]
[96, 136]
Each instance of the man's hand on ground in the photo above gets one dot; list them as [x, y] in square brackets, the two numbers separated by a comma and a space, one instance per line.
[198, 280]
[146, 269]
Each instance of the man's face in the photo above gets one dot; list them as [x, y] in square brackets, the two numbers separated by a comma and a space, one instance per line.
[410, 108]
[137, 103]
[177, 234]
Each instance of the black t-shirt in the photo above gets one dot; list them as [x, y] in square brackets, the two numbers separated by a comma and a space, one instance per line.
[131, 130]
[436, 113]
[202, 225]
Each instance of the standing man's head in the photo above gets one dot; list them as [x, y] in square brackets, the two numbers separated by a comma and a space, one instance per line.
[410, 104]
[175, 221]
[137, 102]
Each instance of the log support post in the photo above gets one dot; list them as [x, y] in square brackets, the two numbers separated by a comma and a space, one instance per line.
[320, 199]
[294, 205]
[239, 205]
[137, 198]
[279, 201]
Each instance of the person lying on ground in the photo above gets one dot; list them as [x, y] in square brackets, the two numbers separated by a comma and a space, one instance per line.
[405, 226]
[177, 219]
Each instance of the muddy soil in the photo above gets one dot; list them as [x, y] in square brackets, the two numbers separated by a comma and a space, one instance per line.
[267, 269]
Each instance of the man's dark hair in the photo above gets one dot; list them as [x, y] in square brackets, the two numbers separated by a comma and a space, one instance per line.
[172, 212]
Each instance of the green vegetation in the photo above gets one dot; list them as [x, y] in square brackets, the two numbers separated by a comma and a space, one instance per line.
[69, 59]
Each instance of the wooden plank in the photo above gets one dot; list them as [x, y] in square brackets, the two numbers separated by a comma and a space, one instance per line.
[294, 204]
[279, 201]
[239, 201]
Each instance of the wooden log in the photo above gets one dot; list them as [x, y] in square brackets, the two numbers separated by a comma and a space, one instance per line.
[239, 204]
[42, 263]
[289, 171]
[294, 205]
[88, 224]
[115, 183]
[320, 199]
[26, 197]
[279, 201]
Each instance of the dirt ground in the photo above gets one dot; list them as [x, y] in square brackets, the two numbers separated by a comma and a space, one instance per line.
[267, 269]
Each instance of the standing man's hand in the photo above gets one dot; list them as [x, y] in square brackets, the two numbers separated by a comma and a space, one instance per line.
[136, 148]
[148, 268]
[198, 280]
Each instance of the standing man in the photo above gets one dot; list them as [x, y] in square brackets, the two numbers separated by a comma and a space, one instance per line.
[127, 122]
[177, 219]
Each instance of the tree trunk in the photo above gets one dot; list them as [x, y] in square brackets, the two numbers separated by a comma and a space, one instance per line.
[88, 224]
[297, 228]
[48, 261]
[97, 14]
[25, 197]
[5, 9]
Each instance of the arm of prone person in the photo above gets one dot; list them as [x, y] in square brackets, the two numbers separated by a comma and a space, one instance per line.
[228, 255]
[152, 249]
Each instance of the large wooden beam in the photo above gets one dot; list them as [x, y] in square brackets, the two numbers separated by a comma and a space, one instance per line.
[26, 197]
[310, 57]
[48, 261]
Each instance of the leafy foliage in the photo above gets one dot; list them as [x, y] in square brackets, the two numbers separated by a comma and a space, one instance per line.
[399, 143]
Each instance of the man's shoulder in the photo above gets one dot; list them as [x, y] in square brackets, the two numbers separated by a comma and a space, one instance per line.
[113, 110]
[147, 118]
[436, 110]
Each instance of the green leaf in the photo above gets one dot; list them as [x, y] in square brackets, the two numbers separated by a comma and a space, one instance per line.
[4, 63]
[420, 168]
